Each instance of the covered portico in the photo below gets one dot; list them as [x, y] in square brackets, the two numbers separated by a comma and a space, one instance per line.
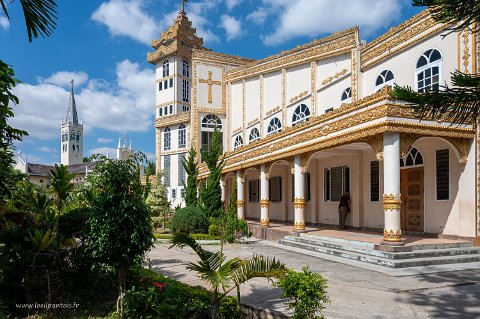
[297, 175]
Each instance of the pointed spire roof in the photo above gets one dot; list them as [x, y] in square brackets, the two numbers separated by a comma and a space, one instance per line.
[72, 107]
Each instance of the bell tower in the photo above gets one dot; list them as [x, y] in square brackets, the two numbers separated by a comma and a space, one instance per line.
[71, 142]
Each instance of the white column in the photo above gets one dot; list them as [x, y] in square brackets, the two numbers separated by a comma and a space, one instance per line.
[392, 233]
[240, 198]
[299, 194]
[222, 186]
[264, 197]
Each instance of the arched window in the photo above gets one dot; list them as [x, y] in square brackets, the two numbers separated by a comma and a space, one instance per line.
[238, 142]
[384, 78]
[301, 114]
[166, 68]
[274, 126]
[210, 121]
[413, 158]
[427, 71]
[186, 68]
[166, 139]
[254, 135]
[182, 136]
[185, 90]
[347, 95]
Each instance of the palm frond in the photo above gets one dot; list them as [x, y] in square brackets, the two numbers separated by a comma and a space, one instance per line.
[259, 266]
[40, 16]
[464, 14]
[181, 240]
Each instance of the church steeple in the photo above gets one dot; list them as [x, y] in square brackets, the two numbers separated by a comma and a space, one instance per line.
[72, 107]
[71, 134]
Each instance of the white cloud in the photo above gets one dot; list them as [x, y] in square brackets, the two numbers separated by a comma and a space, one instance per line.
[124, 105]
[232, 3]
[258, 16]
[4, 22]
[47, 149]
[310, 18]
[63, 78]
[127, 18]
[112, 152]
[104, 140]
[198, 13]
[232, 26]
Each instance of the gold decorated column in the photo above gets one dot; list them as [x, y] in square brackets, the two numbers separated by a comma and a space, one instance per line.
[240, 197]
[299, 194]
[264, 198]
[392, 233]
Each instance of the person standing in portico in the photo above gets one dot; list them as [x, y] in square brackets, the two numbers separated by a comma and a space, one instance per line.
[343, 209]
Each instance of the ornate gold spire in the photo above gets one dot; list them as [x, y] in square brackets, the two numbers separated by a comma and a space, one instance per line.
[179, 38]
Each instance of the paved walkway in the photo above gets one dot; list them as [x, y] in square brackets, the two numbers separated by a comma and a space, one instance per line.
[354, 292]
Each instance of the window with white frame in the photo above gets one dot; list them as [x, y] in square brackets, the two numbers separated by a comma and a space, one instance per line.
[347, 95]
[182, 136]
[427, 71]
[185, 90]
[254, 135]
[174, 194]
[336, 181]
[166, 170]
[209, 122]
[181, 169]
[166, 68]
[274, 126]
[413, 158]
[301, 114]
[186, 68]
[185, 108]
[238, 142]
[166, 139]
[384, 78]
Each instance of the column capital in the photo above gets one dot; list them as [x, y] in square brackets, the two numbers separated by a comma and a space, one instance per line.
[240, 203]
[392, 202]
[264, 222]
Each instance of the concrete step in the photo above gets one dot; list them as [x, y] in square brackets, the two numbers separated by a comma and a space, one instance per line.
[424, 257]
[436, 250]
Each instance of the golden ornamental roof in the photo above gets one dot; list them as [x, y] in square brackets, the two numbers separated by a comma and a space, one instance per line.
[180, 37]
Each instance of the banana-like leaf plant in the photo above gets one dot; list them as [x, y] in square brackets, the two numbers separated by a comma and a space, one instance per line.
[225, 275]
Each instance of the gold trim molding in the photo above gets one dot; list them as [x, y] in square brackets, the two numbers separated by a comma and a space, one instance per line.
[298, 97]
[391, 202]
[391, 236]
[265, 222]
[264, 203]
[299, 202]
[240, 203]
[334, 77]
[299, 225]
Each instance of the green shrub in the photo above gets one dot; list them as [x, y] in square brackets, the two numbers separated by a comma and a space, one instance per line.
[153, 295]
[194, 236]
[189, 220]
[306, 291]
[73, 223]
[235, 228]
[213, 230]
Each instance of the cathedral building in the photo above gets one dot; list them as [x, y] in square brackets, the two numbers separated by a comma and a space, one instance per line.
[304, 126]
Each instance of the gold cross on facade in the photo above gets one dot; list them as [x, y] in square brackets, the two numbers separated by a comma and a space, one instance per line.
[210, 83]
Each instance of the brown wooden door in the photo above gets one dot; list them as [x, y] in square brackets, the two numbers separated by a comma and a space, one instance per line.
[412, 214]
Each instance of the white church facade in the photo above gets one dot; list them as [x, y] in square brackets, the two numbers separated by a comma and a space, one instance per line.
[304, 126]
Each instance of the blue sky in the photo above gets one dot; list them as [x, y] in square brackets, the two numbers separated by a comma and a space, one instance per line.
[103, 46]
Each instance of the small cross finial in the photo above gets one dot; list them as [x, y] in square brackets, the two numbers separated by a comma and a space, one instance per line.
[71, 82]
[183, 6]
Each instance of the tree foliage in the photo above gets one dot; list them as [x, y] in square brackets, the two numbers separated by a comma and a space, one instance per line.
[191, 168]
[8, 134]
[61, 184]
[211, 191]
[119, 229]
[158, 201]
[459, 104]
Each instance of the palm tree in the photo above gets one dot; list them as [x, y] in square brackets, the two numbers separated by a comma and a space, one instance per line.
[40, 16]
[459, 104]
[225, 275]
[60, 184]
